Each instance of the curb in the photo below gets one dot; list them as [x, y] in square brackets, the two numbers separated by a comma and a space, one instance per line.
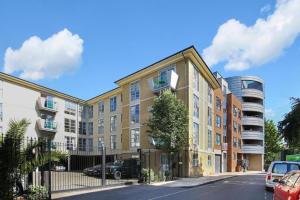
[209, 182]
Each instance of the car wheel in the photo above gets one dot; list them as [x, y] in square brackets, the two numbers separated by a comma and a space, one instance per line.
[117, 175]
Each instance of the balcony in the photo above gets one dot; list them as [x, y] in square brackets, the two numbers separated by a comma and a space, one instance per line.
[247, 106]
[168, 81]
[253, 135]
[253, 149]
[256, 121]
[47, 105]
[224, 146]
[47, 125]
[252, 93]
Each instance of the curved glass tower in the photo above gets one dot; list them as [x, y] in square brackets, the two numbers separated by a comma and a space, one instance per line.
[250, 90]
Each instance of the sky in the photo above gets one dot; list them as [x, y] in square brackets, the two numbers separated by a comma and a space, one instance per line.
[82, 47]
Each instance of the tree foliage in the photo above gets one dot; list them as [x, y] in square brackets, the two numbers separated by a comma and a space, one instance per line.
[273, 142]
[168, 125]
[289, 127]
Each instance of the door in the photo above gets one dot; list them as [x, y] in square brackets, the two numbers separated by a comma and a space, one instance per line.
[218, 164]
[224, 162]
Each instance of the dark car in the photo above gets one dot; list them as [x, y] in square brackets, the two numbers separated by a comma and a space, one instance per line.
[117, 169]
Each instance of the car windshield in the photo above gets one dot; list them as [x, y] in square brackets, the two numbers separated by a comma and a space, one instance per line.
[283, 168]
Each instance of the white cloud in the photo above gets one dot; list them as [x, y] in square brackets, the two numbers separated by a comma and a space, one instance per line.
[240, 46]
[269, 113]
[265, 9]
[50, 58]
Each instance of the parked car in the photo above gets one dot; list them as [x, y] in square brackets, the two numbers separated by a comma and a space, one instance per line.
[93, 171]
[117, 169]
[288, 188]
[277, 170]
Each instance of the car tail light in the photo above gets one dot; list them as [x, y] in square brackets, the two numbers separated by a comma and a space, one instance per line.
[269, 177]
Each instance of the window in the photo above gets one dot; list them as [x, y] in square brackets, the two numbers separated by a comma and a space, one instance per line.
[82, 128]
[196, 134]
[209, 139]
[218, 139]
[224, 138]
[90, 111]
[218, 104]
[100, 143]
[70, 125]
[82, 144]
[135, 138]
[234, 142]
[235, 111]
[1, 112]
[134, 91]
[209, 120]
[113, 142]
[294, 167]
[240, 113]
[134, 114]
[113, 123]
[195, 160]
[280, 168]
[209, 94]
[209, 160]
[113, 104]
[163, 75]
[101, 107]
[70, 108]
[224, 90]
[234, 126]
[196, 79]
[249, 84]
[70, 142]
[196, 106]
[90, 128]
[101, 126]
[239, 128]
[292, 180]
[218, 121]
[90, 144]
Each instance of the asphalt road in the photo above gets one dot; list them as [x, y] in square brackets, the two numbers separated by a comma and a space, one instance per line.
[249, 187]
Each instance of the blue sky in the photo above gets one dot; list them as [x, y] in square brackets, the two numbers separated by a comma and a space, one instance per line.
[106, 40]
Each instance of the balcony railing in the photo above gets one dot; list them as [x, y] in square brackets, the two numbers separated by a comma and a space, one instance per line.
[249, 120]
[166, 81]
[247, 106]
[224, 146]
[251, 148]
[47, 125]
[48, 105]
[253, 93]
[253, 135]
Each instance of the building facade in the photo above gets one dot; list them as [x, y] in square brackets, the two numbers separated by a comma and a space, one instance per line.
[117, 119]
[250, 90]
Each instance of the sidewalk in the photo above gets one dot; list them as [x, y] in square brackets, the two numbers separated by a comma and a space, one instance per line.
[193, 182]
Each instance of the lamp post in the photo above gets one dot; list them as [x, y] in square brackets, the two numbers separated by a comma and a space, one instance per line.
[103, 163]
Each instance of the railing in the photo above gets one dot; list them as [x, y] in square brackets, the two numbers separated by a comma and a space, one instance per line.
[168, 81]
[224, 146]
[47, 125]
[252, 121]
[247, 106]
[250, 148]
[48, 105]
[252, 93]
[254, 135]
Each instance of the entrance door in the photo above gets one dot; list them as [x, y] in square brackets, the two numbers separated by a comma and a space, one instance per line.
[218, 164]
[224, 162]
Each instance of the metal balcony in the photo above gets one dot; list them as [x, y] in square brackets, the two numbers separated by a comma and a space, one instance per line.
[224, 146]
[47, 105]
[253, 93]
[252, 149]
[255, 107]
[47, 125]
[256, 121]
[253, 135]
[168, 81]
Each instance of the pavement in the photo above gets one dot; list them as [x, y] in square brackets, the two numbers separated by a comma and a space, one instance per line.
[248, 186]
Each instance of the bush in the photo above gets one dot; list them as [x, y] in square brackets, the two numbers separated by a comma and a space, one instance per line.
[145, 175]
[37, 192]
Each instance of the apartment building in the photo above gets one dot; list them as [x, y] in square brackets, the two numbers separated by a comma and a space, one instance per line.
[117, 119]
[250, 90]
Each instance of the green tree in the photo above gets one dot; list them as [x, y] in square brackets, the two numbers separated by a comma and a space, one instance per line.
[289, 127]
[168, 125]
[18, 157]
[273, 142]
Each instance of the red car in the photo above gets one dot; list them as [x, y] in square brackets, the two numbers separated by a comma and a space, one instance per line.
[288, 188]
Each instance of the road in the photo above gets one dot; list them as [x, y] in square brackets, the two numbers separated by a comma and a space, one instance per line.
[249, 187]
